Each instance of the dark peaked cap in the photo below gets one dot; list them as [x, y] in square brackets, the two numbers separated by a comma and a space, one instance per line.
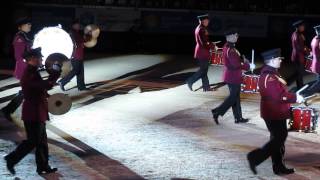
[270, 54]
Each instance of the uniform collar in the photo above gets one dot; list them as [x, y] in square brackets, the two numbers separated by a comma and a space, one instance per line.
[269, 69]
[25, 36]
[231, 45]
[202, 26]
[299, 32]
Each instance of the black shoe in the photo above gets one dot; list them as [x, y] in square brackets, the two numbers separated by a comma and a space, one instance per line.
[10, 165]
[215, 116]
[61, 86]
[189, 85]
[6, 114]
[252, 165]
[83, 89]
[241, 120]
[282, 170]
[47, 170]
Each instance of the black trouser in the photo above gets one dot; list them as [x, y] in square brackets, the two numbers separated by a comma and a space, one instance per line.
[313, 89]
[201, 73]
[36, 138]
[275, 147]
[233, 100]
[299, 72]
[14, 103]
[77, 70]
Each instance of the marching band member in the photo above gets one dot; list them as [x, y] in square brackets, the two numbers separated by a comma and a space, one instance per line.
[299, 51]
[233, 67]
[34, 113]
[315, 67]
[275, 109]
[77, 59]
[21, 43]
[202, 53]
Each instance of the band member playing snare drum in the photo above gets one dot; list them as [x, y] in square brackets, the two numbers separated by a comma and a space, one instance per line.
[315, 67]
[202, 53]
[275, 109]
[233, 77]
[299, 51]
[21, 43]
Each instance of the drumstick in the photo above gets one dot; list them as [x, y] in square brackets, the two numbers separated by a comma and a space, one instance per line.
[303, 88]
[306, 100]
[309, 97]
[252, 56]
[252, 59]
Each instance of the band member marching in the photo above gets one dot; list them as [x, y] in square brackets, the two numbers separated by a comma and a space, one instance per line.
[275, 109]
[202, 53]
[21, 43]
[315, 67]
[34, 113]
[77, 58]
[299, 51]
[232, 75]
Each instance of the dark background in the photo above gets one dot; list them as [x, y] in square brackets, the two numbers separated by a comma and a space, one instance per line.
[156, 35]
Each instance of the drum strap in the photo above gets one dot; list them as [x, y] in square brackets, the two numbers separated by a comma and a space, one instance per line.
[302, 37]
[279, 79]
[228, 50]
[265, 81]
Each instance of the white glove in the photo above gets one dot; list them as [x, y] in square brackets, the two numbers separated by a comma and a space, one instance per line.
[56, 67]
[252, 66]
[300, 99]
[215, 47]
[310, 54]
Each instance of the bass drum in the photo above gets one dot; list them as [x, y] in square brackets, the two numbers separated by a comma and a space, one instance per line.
[53, 40]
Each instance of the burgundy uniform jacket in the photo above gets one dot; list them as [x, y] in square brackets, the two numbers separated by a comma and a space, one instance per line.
[315, 46]
[299, 50]
[20, 44]
[203, 46]
[232, 70]
[78, 41]
[34, 88]
[275, 98]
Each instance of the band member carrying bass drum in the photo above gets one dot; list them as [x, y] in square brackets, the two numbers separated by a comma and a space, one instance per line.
[275, 110]
[48, 38]
[80, 41]
[202, 53]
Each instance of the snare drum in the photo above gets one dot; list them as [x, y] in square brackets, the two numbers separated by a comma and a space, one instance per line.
[216, 57]
[250, 83]
[303, 119]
